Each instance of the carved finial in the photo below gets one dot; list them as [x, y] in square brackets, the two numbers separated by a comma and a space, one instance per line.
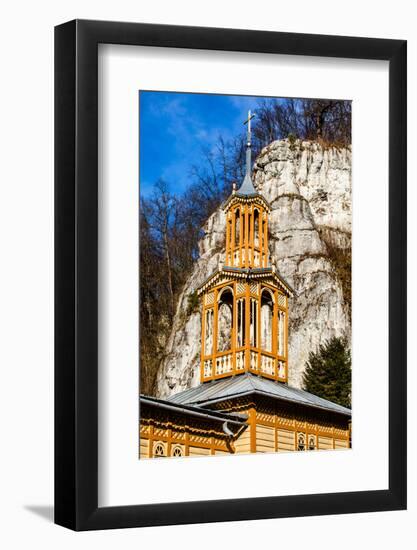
[234, 187]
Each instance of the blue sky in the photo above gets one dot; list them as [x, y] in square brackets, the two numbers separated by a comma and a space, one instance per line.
[175, 126]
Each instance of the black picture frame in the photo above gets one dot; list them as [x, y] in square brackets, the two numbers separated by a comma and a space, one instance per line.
[76, 272]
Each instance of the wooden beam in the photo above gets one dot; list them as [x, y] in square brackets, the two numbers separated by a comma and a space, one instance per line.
[215, 316]
[247, 326]
[203, 339]
[187, 442]
[265, 227]
[246, 236]
[240, 235]
[286, 342]
[234, 323]
[252, 427]
[275, 333]
[150, 451]
[169, 442]
[232, 240]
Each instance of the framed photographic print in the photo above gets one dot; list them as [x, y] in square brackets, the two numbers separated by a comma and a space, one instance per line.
[230, 275]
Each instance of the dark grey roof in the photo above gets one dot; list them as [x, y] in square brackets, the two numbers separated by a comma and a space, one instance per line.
[245, 384]
[186, 408]
[256, 270]
[248, 271]
[246, 194]
[247, 188]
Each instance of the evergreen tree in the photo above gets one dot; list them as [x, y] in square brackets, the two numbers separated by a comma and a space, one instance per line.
[328, 372]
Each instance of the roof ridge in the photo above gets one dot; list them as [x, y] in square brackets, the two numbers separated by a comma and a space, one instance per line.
[248, 383]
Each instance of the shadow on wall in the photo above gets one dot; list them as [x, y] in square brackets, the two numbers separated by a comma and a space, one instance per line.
[45, 512]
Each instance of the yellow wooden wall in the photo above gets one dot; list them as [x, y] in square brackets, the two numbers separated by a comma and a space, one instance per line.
[190, 442]
[341, 444]
[285, 440]
[242, 445]
[276, 433]
[144, 447]
[266, 433]
[265, 439]
[198, 451]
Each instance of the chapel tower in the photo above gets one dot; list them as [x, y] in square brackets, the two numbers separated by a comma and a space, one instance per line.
[245, 302]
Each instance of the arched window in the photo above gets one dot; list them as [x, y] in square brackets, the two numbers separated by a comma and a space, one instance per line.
[237, 227]
[256, 227]
[208, 344]
[243, 218]
[267, 308]
[301, 442]
[261, 233]
[311, 443]
[241, 322]
[159, 450]
[177, 451]
[253, 322]
[281, 333]
[225, 320]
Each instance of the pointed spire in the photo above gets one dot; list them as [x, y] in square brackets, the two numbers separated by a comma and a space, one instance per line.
[247, 187]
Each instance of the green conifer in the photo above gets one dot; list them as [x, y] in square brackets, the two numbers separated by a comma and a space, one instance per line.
[328, 372]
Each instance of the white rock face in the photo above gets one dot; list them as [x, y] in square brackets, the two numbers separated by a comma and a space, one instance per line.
[309, 190]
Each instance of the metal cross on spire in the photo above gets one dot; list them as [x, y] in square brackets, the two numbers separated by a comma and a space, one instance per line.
[247, 121]
[248, 145]
[247, 186]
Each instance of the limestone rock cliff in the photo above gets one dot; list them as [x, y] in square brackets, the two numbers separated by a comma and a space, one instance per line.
[309, 190]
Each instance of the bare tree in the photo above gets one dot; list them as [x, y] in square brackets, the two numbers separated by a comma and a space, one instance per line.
[163, 204]
[313, 119]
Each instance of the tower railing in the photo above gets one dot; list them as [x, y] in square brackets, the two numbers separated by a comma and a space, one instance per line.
[244, 359]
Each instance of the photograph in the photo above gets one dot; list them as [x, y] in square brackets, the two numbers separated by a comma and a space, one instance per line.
[245, 224]
[209, 258]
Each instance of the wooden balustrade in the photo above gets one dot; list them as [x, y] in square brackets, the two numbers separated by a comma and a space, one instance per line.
[242, 360]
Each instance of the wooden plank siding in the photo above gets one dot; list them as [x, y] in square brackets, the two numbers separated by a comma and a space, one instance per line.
[143, 447]
[258, 438]
[242, 444]
[189, 443]
[286, 440]
[325, 443]
[199, 451]
[270, 429]
[341, 444]
[265, 439]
